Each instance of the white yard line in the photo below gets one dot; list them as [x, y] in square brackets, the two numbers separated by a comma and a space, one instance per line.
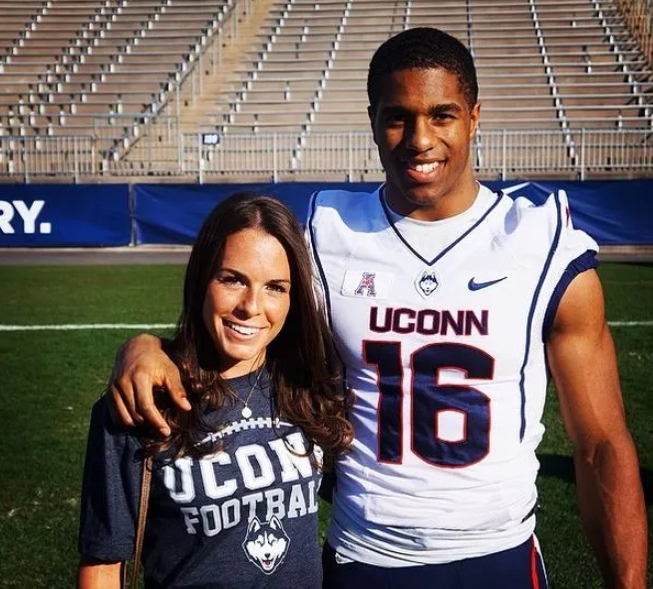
[78, 326]
[147, 326]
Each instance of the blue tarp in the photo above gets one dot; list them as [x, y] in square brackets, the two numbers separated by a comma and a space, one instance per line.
[173, 214]
[618, 212]
[614, 212]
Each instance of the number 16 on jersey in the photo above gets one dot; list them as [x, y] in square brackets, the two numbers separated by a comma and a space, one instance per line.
[429, 401]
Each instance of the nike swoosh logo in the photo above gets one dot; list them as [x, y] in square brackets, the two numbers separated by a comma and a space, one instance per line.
[473, 285]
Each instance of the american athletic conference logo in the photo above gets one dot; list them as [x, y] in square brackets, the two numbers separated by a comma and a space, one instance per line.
[366, 286]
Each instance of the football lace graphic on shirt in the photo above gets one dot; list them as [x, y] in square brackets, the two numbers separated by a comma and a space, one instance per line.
[473, 285]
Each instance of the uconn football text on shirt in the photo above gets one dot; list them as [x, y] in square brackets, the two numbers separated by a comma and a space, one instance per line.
[243, 517]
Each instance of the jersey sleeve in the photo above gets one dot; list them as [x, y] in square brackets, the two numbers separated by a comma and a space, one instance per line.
[332, 216]
[575, 253]
[110, 489]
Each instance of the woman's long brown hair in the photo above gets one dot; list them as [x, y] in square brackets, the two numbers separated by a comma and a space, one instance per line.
[304, 368]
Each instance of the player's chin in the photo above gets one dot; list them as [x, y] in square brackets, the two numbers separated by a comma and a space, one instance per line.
[415, 192]
[423, 194]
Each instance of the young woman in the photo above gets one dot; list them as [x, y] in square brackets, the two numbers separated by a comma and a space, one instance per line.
[233, 501]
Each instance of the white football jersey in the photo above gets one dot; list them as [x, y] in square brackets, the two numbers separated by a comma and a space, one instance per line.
[445, 353]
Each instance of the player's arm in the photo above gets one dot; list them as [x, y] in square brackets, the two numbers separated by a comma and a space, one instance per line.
[98, 575]
[140, 365]
[583, 365]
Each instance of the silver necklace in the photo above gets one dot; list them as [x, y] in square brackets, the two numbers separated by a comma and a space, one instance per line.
[246, 411]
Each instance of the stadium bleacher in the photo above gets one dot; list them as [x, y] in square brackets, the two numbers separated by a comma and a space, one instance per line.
[140, 83]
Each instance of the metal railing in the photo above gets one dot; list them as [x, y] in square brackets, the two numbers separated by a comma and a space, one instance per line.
[158, 149]
[26, 158]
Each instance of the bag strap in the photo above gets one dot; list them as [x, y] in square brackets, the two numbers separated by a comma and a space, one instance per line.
[142, 516]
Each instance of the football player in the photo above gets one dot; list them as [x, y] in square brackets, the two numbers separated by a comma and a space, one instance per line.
[451, 306]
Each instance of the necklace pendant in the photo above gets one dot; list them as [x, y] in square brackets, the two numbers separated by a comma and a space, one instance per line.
[246, 412]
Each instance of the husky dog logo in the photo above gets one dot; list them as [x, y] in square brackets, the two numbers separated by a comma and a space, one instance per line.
[427, 283]
[266, 544]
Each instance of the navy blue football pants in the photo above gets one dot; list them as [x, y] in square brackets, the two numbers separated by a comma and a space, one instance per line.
[516, 568]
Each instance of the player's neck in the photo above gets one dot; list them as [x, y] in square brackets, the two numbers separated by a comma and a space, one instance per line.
[442, 207]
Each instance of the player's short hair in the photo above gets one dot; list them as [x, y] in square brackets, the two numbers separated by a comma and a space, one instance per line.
[422, 48]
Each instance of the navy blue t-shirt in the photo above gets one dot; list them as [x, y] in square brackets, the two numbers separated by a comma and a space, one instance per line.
[243, 517]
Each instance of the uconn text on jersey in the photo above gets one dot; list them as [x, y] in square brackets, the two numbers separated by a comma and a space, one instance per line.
[428, 321]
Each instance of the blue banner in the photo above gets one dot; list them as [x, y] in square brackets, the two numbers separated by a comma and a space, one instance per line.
[173, 214]
[64, 215]
[618, 212]
[613, 212]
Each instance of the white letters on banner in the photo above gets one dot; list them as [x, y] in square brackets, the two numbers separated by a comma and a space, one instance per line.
[27, 216]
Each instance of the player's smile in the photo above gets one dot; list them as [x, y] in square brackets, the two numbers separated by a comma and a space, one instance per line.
[423, 172]
[423, 127]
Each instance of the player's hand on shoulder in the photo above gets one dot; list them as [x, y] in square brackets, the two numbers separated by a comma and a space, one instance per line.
[140, 366]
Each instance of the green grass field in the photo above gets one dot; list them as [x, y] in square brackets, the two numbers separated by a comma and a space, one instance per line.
[49, 380]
